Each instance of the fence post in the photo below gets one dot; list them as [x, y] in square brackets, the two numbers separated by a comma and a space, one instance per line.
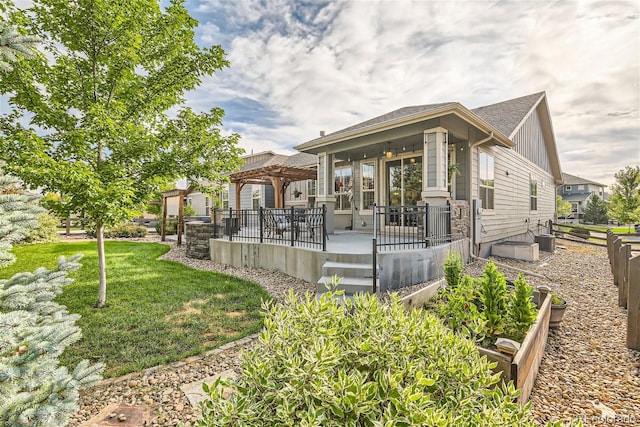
[610, 239]
[633, 306]
[426, 224]
[261, 223]
[230, 227]
[449, 236]
[623, 275]
[324, 228]
[374, 250]
[617, 244]
[293, 226]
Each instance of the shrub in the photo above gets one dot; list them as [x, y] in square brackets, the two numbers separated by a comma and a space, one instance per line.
[581, 232]
[484, 309]
[121, 231]
[46, 231]
[521, 311]
[189, 210]
[453, 269]
[126, 230]
[362, 363]
[172, 226]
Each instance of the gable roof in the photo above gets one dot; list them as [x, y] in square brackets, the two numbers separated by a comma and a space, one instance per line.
[395, 114]
[506, 116]
[574, 180]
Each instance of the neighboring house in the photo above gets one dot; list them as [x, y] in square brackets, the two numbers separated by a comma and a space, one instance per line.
[579, 191]
[505, 155]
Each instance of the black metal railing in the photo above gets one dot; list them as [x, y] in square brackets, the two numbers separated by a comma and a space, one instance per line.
[411, 227]
[290, 226]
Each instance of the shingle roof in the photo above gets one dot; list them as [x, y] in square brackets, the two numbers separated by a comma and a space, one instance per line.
[395, 114]
[572, 179]
[507, 115]
[301, 160]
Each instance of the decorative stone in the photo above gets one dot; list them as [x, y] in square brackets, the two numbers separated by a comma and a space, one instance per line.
[118, 414]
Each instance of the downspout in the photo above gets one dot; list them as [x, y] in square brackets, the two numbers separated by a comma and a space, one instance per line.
[470, 180]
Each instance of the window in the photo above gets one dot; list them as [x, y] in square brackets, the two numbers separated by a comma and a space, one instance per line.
[368, 185]
[486, 179]
[533, 194]
[207, 206]
[342, 187]
[311, 187]
[256, 195]
[224, 196]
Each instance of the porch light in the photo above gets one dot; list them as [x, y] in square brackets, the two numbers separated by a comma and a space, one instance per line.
[365, 155]
[389, 154]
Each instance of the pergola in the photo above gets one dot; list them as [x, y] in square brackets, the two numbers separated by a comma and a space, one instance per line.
[180, 193]
[279, 176]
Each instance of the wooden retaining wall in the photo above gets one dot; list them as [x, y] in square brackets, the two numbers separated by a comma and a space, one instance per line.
[523, 368]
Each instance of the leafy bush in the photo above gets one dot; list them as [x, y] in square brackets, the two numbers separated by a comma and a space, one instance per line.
[484, 309]
[172, 226]
[362, 363]
[453, 269]
[46, 231]
[122, 231]
[189, 210]
[581, 231]
[521, 311]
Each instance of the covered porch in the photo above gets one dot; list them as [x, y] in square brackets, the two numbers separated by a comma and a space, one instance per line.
[415, 156]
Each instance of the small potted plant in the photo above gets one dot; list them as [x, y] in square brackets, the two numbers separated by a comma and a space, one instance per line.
[558, 306]
[296, 193]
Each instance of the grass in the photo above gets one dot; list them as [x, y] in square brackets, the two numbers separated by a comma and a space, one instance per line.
[602, 229]
[157, 311]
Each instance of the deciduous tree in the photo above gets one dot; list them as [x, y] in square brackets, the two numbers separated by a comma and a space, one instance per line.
[563, 208]
[624, 204]
[100, 117]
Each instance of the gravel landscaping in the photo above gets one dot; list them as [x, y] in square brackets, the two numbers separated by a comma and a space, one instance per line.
[586, 372]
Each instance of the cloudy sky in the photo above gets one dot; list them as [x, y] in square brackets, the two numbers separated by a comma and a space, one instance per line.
[298, 67]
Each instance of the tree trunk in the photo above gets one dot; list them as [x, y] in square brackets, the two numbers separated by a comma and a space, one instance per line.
[102, 288]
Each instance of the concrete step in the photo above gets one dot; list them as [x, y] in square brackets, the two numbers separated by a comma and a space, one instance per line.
[347, 269]
[350, 285]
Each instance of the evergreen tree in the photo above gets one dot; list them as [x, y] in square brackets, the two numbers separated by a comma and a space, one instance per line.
[624, 204]
[596, 211]
[34, 389]
[35, 330]
[12, 45]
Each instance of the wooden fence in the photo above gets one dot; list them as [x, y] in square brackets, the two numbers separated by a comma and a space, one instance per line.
[626, 276]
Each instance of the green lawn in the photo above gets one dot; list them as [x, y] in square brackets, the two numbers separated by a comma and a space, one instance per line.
[616, 230]
[157, 311]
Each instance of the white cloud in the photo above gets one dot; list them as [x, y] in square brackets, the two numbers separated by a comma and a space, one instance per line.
[316, 66]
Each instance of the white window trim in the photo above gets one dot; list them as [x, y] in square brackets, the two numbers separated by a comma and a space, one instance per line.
[486, 210]
[337, 194]
[362, 191]
[532, 180]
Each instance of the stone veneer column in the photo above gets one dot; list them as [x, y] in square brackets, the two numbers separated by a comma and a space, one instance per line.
[198, 235]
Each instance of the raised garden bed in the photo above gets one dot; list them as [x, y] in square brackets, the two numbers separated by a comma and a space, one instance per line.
[522, 368]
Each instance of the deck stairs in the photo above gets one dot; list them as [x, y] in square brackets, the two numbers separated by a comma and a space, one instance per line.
[357, 277]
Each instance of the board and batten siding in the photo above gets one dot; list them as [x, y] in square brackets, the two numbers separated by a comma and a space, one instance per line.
[512, 173]
[530, 142]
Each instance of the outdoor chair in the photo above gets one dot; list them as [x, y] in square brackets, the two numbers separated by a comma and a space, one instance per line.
[313, 221]
[275, 222]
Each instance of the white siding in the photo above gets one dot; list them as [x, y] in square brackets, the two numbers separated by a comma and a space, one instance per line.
[530, 142]
[511, 195]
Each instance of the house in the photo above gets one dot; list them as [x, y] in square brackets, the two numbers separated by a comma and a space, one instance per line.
[504, 156]
[397, 192]
[579, 192]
